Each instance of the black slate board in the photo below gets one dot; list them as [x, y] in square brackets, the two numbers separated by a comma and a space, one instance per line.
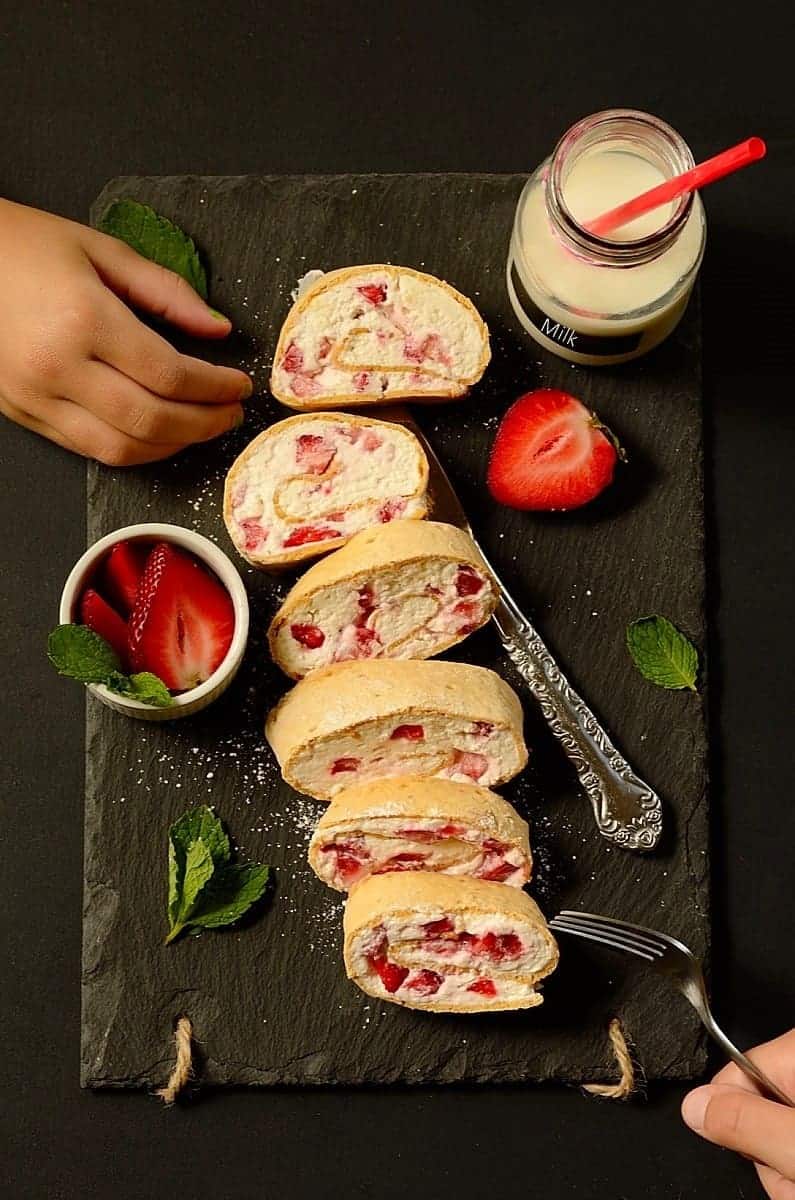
[268, 1000]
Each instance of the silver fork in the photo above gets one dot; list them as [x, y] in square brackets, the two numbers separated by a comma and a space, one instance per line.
[670, 958]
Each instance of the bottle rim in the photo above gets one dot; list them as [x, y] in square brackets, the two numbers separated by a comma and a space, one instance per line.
[629, 124]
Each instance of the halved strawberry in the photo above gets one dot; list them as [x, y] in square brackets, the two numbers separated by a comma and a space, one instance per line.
[183, 620]
[550, 453]
[121, 574]
[98, 615]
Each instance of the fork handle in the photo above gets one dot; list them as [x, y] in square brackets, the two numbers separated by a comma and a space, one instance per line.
[627, 811]
[766, 1085]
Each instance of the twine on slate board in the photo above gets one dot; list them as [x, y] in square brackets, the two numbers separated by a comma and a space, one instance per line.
[623, 1088]
[183, 1066]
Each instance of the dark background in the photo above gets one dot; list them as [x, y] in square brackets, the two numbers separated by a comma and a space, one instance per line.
[94, 90]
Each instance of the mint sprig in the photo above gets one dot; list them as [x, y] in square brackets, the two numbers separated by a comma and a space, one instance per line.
[662, 653]
[156, 238]
[79, 653]
[205, 889]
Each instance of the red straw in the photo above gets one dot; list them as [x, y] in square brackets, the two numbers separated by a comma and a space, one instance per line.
[689, 181]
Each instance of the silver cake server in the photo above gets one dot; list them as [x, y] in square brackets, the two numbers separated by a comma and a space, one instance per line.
[628, 812]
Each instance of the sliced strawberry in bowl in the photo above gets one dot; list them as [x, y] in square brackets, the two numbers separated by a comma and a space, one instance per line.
[121, 574]
[183, 622]
[550, 453]
[98, 615]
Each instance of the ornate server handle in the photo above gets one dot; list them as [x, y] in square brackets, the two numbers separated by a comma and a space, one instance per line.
[628, 812]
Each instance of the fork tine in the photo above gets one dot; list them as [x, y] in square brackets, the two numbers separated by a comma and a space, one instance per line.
[605, 929]
[651, 937]
[602, 939]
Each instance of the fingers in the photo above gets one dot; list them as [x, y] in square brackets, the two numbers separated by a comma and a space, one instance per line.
[132, 409]
[776, 1186]
[125, 343]
[775, 1058]
[76, 429]
[27, 421]
[741, 1121]
[146, 285]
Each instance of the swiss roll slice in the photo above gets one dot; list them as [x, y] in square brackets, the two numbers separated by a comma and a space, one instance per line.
[353, 722]
[308, 483]
[368, 334]
[446, 943]
[405, 824]
[408, 589]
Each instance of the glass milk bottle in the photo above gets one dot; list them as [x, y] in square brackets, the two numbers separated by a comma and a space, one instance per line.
[603, 300]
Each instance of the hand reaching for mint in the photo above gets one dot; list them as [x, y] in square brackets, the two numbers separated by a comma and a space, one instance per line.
[76, 364]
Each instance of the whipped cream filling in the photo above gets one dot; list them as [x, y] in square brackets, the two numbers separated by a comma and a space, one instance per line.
[378, 333]
[324, 480]
[410, 610]
[451, 747]
[346, 854]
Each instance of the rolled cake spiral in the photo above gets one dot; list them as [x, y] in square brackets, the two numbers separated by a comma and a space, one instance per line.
[408, 589]
[446, 944]
[372, 334]
[358, 721]
[411, 825]
[308, 483]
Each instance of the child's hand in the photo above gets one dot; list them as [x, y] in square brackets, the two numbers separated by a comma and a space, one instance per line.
[77, 365]
[731, 1112]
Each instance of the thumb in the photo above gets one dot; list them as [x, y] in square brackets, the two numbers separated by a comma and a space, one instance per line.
[745, 1122]
[148, 286]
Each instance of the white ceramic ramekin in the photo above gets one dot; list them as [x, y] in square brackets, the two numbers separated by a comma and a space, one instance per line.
[199, 697]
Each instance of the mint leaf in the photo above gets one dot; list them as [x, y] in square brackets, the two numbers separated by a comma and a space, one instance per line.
[156, 238]
[200, 824]
[175, 872]
[198, 869]
[204, 889]
[78, 652]
[662, 654]
[199, 866]
[230, 893]
[149, 689]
